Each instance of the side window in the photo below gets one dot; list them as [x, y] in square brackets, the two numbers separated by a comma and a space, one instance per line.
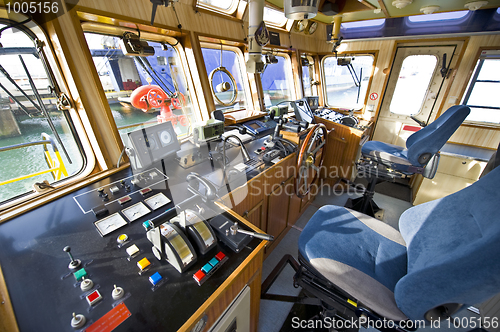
[37, 142]
[226, 6]
[481, 92]
[346, 80]
[415, 76]
[274, 18]
[142, 90]
[227, 80]
[277, 81]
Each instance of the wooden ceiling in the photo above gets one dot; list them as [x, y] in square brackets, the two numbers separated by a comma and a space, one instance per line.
[359, 10]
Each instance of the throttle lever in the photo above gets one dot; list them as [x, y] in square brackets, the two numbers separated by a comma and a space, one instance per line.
[235, 229]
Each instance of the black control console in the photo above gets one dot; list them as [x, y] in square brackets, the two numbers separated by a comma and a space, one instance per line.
[84, 261]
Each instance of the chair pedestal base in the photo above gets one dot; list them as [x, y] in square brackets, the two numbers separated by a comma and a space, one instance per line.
[365, 205]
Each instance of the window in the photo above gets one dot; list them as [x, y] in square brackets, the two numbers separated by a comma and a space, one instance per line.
[120, 75]
[346, 80]
[231, 91]
[274, 17]
[224, 6]
[277, 81]
[310, 85]
[481, 93]
[32, 128]
[415, 76]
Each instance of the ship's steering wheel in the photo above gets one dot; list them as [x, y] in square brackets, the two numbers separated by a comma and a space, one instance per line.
[310, 159]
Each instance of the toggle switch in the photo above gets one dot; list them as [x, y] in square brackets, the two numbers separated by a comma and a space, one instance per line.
[117, 293]
[78, 321]
[86, 285]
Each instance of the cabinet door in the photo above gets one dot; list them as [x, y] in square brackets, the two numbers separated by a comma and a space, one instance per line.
[254, 214]
[277, 209]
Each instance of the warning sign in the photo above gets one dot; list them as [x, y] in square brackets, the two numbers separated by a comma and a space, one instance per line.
[374, 96]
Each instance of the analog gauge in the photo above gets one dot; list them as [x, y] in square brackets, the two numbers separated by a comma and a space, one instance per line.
[157, 201]
[165, 138]
[152, 143]
[136, 211]
[300, 25]
[311, 28]
[110, 223]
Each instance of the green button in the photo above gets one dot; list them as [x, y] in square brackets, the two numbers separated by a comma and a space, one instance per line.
[80, 274]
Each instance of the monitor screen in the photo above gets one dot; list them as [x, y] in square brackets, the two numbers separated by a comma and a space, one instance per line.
[303, 111]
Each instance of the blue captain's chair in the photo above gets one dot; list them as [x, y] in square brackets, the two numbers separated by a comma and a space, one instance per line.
[445, 257]
[387, 162]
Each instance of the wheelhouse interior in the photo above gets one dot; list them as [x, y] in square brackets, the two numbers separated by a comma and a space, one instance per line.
[232, 165]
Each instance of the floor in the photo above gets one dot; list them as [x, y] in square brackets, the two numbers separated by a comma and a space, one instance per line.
[272, 313]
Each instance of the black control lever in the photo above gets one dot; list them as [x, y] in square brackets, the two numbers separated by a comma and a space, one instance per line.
[234, 229]
[420, 123]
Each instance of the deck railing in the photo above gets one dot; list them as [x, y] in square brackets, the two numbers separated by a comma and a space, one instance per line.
[56, 164]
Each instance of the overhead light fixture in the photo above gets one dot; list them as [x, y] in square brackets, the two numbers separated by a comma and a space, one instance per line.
[400, 4]
[429, 9]
[298, 10]
[475, 5]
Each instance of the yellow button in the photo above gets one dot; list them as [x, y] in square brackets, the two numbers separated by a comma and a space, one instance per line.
[143, 263]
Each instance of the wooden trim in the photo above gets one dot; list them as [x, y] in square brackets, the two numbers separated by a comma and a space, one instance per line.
[367, 4]
[384, 8]
[100, 16]
[473, 145]
[7, 317]
[452, 78]
[297, 74]
[198, 70]
[75, 55]
[56, 194]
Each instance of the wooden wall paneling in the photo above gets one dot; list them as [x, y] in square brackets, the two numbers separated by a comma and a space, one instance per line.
[317, 77]
[199, 74]
[7, 317]
[297, 74]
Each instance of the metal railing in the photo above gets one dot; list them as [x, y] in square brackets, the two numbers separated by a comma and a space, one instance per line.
[56, 165]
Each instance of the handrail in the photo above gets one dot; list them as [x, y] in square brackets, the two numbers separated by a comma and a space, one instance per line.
[56, 166]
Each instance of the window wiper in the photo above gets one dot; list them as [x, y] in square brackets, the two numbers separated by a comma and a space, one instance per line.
[11, 80]
[25, 110]
[44, 110]
[150, 70]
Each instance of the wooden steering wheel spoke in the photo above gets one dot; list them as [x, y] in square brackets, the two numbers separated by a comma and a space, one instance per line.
[308, 164]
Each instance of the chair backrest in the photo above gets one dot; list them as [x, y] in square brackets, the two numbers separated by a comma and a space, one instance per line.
[453, 249]
[423, 144]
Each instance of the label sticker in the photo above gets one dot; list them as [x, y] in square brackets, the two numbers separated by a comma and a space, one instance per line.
[110, 320]
[374, 96]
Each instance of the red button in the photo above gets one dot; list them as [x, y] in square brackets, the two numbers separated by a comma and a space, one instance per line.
[220, 256]
[263, 148]
[199, 275]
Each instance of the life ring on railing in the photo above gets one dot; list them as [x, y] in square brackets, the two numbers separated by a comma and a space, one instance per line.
[138, 98]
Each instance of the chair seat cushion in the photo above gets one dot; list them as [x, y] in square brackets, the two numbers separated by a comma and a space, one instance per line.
[357, 253]
[386, 153]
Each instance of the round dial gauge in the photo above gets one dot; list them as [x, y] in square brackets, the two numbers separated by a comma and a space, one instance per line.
[110, 224]
[165, 138]
[311, 28]
[300, 25]
[152, 143]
